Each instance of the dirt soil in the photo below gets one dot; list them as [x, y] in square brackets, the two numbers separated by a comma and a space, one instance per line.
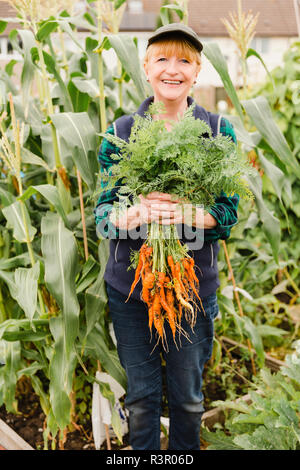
[29, 423]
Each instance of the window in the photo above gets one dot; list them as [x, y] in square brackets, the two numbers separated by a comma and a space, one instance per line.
[135, 6]
[261, 45]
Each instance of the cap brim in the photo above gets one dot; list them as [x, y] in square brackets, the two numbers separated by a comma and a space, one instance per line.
[176, 34]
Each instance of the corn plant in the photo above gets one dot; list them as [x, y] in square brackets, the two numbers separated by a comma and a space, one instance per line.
[53, 298]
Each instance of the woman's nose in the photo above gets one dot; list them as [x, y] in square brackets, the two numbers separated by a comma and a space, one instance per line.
[172, 66]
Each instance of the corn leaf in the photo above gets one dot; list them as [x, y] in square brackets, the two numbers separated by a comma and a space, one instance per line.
[213, 52]
[60, 253]
[258, 109]
[26, 282]
[271, 225]
[11, 352]
[62, 366]
[50, 193]
[78, 134]
[127, 52]
[14, 217]
[61, 266]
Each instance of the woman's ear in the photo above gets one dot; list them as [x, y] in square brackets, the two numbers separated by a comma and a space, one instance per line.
[146, 70]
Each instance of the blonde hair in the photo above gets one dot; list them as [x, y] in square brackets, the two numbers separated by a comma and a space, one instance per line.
[173, 46]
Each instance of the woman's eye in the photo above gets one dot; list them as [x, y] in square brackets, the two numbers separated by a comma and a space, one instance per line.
[185, 61]
[161, 58]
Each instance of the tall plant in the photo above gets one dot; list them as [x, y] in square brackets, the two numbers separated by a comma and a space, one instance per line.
[51, 133]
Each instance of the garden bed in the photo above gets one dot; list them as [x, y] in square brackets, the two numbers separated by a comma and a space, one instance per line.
[29, 422]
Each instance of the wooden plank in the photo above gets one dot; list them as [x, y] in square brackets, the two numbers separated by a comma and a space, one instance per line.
[10, 440]
[216, 415]
[271, 362]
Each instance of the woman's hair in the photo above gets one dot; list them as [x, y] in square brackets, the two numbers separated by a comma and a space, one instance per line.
[173, 46]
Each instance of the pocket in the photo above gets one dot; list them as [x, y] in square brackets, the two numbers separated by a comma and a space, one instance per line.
[210, 305]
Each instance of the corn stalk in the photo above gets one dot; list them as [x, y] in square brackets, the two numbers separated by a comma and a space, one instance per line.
[242, 31]
[12, 158]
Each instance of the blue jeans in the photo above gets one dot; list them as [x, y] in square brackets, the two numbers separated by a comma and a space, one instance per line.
[142, 364]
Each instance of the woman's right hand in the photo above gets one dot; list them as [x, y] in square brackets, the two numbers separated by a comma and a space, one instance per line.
[136, 215]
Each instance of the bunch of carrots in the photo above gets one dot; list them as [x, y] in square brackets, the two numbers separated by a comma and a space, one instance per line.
[169, 285]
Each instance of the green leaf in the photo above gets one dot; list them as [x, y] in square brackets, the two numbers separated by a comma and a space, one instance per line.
[62, 366]
[25, 335]
[255, 338]
[52, 69]
[128, 54]
[10, 66]
[276, 176]
[78, 134]
[80, 100]
[29, 157]
[14, 217]
[96, 347]
[165, 10]
[50, 193]
[12, 359]
[15, 261]
[28, 68]
[260, 113]
[215, 56]
[95, 295]
[60, 254]
[3, 25]
[89, 272]
[218, 440]
[16, 324]
[271, 224]
[87, 86]
[253, 52]
[268, 330]
[46, 28]
[26, 281]
[118, 4]
[116, 424]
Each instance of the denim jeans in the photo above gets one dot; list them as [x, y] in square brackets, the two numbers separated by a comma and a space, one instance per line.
[142, 364]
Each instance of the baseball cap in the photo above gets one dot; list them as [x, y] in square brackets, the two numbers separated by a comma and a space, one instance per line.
[176, 30]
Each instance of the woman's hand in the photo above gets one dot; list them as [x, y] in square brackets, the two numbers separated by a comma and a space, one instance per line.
[136, 215]
[166, 209]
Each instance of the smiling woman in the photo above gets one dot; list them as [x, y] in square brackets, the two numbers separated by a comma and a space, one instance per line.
[172, 63]
[172, 66]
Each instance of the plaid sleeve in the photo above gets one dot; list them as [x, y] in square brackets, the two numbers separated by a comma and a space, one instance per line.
[107, 197]
[225, 208]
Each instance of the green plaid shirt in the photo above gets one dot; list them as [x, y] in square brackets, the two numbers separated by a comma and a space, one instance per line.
[224, 210]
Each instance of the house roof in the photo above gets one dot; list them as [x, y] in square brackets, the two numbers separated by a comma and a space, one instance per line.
[6, 11]
[276, 18]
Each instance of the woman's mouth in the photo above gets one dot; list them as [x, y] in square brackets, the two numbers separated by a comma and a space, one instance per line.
[172, 82]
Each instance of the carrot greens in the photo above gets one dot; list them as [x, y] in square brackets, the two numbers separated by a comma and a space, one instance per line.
[193, 166]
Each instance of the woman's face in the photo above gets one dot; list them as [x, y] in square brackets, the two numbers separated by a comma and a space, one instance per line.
[171, 77]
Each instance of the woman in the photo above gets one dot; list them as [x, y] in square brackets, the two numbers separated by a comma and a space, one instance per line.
[171, 64]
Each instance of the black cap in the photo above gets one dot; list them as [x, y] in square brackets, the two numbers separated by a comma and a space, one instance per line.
[176, 30]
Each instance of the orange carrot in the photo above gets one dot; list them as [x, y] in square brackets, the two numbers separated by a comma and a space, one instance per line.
[170, 312]
[180, 299]
[138, 270]
[151, 316]
[192, 263]
[157, 316]
[148, 285]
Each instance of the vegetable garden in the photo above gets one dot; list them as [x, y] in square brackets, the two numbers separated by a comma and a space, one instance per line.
[54, 322]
